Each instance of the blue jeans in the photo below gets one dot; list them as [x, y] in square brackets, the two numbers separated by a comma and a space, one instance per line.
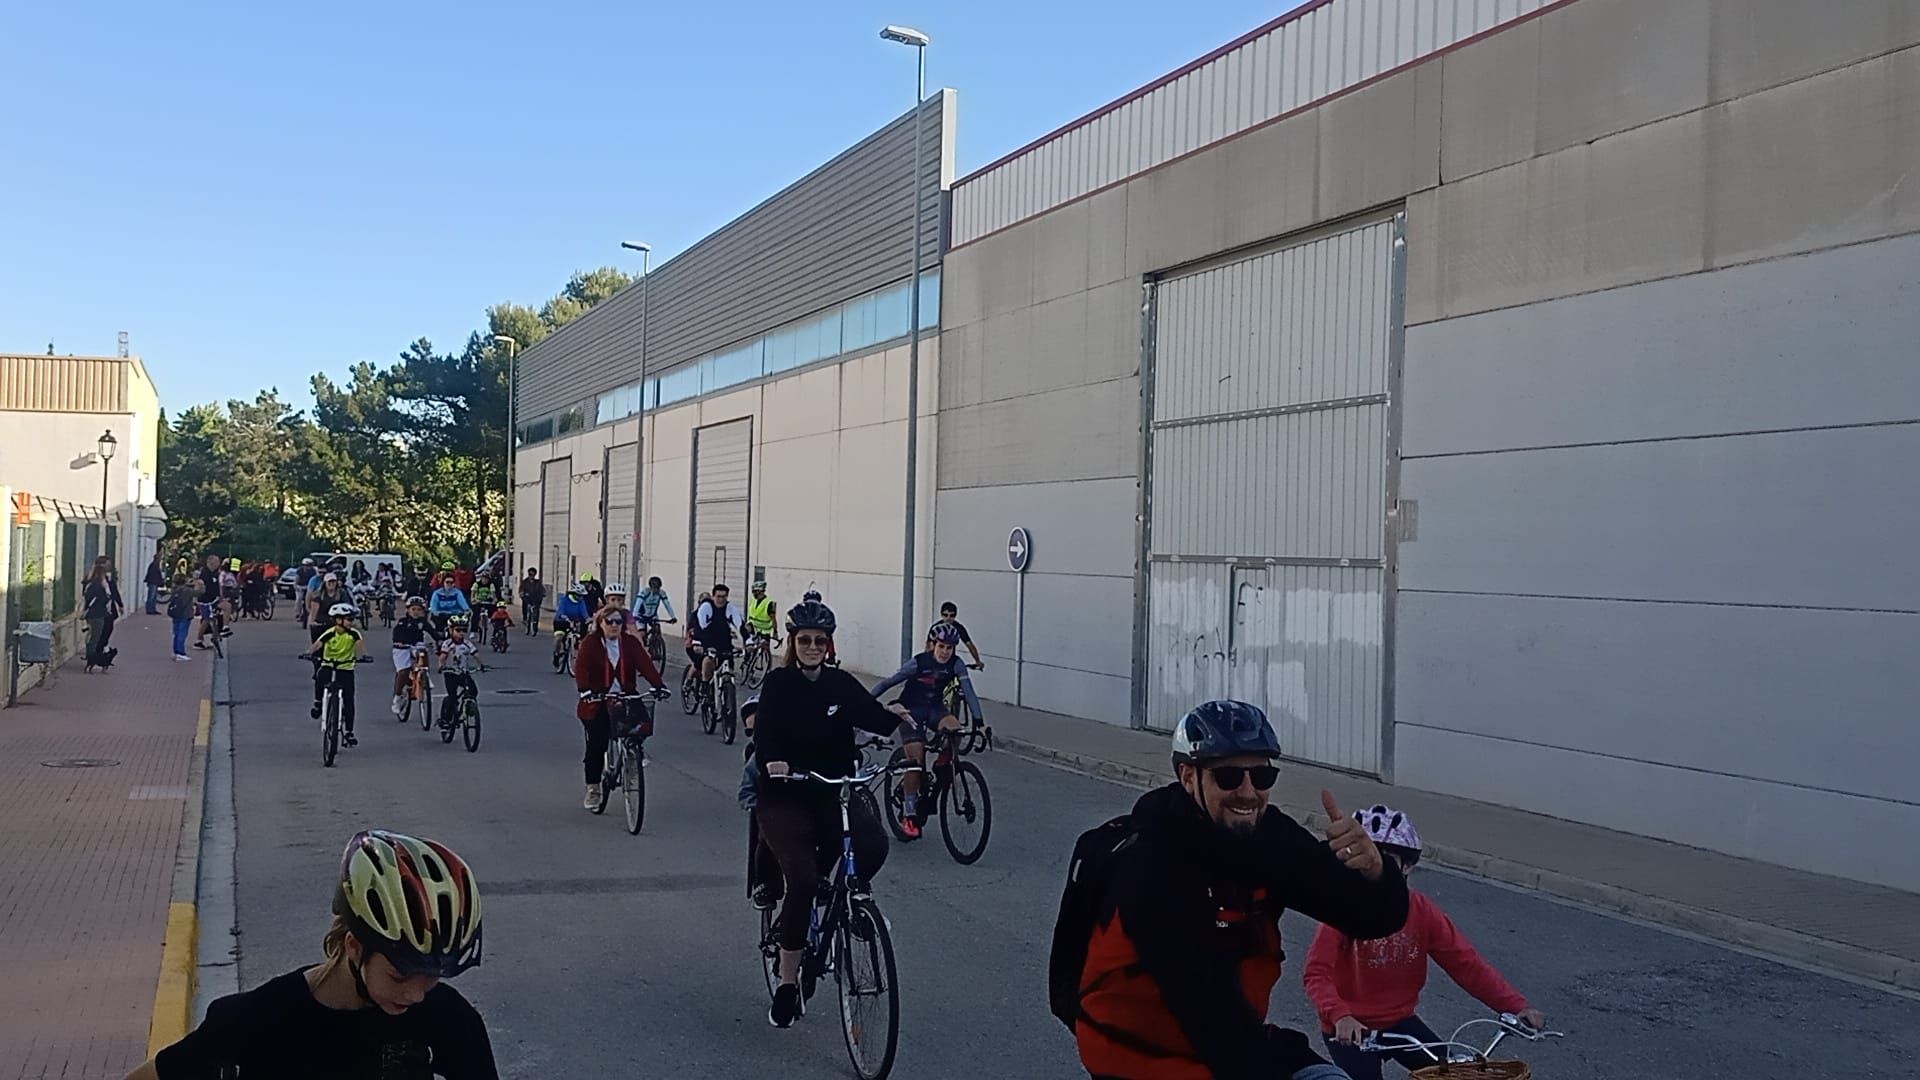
[1362, 1065]
[180, 628]
[153, 599]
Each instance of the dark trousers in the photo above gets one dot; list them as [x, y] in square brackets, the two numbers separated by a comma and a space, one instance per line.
[530, 616]
[153, 599]
[1361, 1065]
[597, 729]
[343, 682]
[804, 836]
[456, 681]
[99, 632]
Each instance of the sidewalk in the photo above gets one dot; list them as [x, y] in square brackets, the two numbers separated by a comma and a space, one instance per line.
[87, 859]
[1864, 931]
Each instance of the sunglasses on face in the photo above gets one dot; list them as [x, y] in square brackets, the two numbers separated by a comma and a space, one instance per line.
[1228, 777]
[812, 641]
[616, 622]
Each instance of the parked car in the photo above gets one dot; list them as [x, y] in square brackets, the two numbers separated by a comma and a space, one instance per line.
[289, 584]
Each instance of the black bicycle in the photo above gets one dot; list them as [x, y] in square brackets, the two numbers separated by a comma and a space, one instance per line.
[330, 705]
[386, 609]
[956, 786]
[463, 714]
[564, 643]
[719, 702]
[630, 723]
[656, 645]
[847, 938]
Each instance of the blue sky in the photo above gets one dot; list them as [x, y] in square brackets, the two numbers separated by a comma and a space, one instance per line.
[257, 192]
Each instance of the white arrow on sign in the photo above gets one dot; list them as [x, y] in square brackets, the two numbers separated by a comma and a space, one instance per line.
[1017, 545]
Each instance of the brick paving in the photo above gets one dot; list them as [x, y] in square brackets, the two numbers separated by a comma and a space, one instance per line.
[87, 854]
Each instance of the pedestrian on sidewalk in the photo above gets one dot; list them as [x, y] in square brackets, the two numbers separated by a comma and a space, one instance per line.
[156, 577]
[1362, 986]
[406, 915]
[180, 607]
[103, 609]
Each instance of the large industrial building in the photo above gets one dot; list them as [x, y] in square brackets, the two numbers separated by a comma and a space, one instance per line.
[1517, 399]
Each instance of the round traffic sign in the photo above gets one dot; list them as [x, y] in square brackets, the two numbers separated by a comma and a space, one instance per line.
[1019, 550]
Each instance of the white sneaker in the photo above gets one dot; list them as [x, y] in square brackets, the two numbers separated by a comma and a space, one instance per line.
[182, 658]
[399, 704]
[592, 801]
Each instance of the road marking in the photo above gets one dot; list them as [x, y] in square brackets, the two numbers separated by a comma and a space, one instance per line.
[173, 997]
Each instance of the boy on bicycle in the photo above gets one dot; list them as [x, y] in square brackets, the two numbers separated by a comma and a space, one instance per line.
[459, 658]
[337, 648]
[926, 681]
[1362, 986]
[411, 632]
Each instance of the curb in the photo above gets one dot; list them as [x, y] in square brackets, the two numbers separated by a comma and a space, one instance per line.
[179, 955]
[1828, 957]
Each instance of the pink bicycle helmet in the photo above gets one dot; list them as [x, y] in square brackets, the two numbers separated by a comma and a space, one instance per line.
[1389, 828]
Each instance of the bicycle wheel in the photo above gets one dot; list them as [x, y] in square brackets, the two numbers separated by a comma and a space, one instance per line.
[966, 813]
[609, 770]
[426, 703]
[896, 799]
[559, 654]
[451, 725]
[708, 717]
[470, 725]
[266, 610]
[220, 639]
[869, 989]
[750, 668]
[633, 784]
[689, 693]
[729, 716]
[769, 951]
[330, 731]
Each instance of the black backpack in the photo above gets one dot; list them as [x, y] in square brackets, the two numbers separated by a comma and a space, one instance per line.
[1089, 874]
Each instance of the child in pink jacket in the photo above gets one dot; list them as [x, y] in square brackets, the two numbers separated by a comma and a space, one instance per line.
[1362, 986]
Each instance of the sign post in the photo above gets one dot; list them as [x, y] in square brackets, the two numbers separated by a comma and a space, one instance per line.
[1019, 554]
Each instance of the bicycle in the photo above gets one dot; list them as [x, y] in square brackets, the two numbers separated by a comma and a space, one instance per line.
[848, 938]
[500, 636]
[564, 644]
[626, 762]
[464, 716]
[758, 659]
[720, 705]
[211, 615]
[1463, 1060]
[329, 708]
[386, 609]
[957, 786]
[656, 645]
[419, 693]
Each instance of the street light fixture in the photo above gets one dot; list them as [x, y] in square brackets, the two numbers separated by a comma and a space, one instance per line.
[513, 355]
[640, 439]
[907, 35]
[107, 445]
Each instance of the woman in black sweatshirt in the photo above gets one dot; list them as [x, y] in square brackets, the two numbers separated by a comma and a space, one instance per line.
[806, 721]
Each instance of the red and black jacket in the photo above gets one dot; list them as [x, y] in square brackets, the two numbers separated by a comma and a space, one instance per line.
[1186, 949]
[592, 672]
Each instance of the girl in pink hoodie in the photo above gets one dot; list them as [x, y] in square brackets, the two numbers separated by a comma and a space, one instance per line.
[1362, 986]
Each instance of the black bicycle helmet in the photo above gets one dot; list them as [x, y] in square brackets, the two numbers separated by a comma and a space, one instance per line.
[1218, 729]
[810, 615]
[812, 595]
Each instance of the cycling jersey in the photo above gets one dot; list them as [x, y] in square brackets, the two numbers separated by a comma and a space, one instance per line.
[459, 656]
[448, 600]
[713, 622]
[572, 608]
[339, 647]
[485, 596]
[924, 682]
[647, 604]
[760, 614]
[410, 631]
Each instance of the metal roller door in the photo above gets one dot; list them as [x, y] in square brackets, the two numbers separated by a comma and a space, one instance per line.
[1270, 448]
[618, 522]
[722, 490]
[556, 519]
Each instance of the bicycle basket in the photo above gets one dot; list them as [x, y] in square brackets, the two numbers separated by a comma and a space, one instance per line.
[629, 719]
[1474, 1070]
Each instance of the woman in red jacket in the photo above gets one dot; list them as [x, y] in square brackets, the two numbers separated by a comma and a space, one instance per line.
[610, 660]
[1362, 986]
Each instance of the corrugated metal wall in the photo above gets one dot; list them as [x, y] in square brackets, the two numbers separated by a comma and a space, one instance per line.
[1267, 505]
[63, 383]
[619, 521]
[556, 519]
[839, 232]
[722, 493]
[1292, 62]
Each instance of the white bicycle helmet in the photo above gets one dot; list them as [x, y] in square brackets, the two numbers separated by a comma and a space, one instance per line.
[1389, 828]
[616, 588]
[339, 610]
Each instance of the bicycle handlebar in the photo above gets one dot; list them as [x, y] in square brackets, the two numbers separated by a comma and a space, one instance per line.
[860, 778]
[1507, 1023]
[310, 658]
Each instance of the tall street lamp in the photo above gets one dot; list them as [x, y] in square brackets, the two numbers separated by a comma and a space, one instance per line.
[107, 445]
[513, 401]
[640, 440]
[906, 35]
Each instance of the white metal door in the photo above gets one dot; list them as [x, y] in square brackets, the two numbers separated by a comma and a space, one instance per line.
[556, 518]
[618, 522]
[1269, 445]
[722, 492]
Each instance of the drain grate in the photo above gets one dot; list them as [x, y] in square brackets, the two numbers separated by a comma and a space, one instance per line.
[80, 763]
[516, 690]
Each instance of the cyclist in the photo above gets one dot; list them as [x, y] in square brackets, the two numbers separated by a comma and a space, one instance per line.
[1179, 961]
[323, 600]
[926, 680]
[501, 619]
[532, 594]
[339, 646]
[1361, 986]
[230, 589]
[805, 723]
[304, 576]
[386, 579]
[591, 590]
[650, 600]
[361, 575]
[616, 595]
[446, 602]
[413, 629]
[459, 658]
[714, 624]
[569, 614]
[760, 614]
[950, 615]
[610, 661]
[209, 599]
[406, 915]
[763, 872]
[484, 597]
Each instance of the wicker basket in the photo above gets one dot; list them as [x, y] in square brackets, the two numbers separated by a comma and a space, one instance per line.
[1475, 1070]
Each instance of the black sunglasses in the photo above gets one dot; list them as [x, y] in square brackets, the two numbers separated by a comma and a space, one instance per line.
[1228, 777]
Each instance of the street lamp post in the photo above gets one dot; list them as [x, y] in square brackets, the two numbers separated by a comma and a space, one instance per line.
[513, 401]
[640, 439]
[107, 445]
[906, 35]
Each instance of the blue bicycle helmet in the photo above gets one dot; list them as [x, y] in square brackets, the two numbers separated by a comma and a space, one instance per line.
[1218, 729]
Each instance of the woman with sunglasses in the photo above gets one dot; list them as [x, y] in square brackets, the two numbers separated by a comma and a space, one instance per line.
[610, 660]
[806, 721]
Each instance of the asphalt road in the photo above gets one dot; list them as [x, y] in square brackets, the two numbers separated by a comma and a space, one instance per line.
[609, 954]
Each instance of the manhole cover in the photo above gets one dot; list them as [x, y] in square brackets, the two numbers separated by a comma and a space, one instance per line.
[79, 763]
[516, 690]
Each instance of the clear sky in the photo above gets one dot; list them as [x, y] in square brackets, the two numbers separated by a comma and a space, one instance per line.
[260, 191]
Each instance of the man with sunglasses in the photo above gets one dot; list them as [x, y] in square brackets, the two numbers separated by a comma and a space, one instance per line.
[1184, 948]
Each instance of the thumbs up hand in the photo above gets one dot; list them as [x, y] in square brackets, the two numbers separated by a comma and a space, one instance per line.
[1349, 842]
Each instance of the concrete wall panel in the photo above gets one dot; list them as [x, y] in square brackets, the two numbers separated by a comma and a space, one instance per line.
[1808, 341]
[1379, 143]
[1268, 192]
[1175, 213]
[1084, 528]
[1107, 236]
[869, 489]
[1086, 433]
[1060, 252]
[1785, 518]
[801, 405]
[1490, 103]
[1610, 65]
[1762, 43]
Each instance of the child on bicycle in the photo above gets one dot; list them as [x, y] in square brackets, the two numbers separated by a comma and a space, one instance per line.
[459, 658]
[1362, 986]
[500, 620]
[337, 648]
[764, 883]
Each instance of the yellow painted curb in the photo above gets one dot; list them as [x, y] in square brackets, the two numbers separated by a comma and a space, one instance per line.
[173, 997]
[204, 732]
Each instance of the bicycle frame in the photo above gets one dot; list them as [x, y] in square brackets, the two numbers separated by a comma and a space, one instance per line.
[1457, 1051]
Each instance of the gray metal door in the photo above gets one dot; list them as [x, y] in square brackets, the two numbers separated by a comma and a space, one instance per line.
[620, 479]
[556, 522]
[722, 492]
[1268, 490]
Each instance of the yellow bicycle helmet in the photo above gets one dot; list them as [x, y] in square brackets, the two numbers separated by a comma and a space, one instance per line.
[412, 901]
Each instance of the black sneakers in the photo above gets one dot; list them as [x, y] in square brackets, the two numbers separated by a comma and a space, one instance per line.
[786, 1006]
[315, 711]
